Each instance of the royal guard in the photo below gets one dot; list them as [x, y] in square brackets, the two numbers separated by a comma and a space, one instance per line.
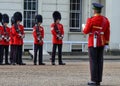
[1, 41]
[11, 41]
[38, 34]
[18, 35]
[98, 28]
[5, 38]
[57, 31]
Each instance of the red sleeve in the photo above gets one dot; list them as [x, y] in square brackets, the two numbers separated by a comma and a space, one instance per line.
[14, 33]
[88, 26]
[22, 29]
[1, 31]
[42, 32]
[53, 31]
[9, 31]
[11, 35]
[107, 33]
[34, 33]
[62, 31]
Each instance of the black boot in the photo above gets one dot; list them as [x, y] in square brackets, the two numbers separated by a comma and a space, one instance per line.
[62, 63]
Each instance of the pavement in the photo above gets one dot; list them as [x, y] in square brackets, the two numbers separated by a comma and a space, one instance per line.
[75, 73]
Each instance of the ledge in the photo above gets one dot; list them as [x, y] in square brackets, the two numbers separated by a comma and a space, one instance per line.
[80, 33]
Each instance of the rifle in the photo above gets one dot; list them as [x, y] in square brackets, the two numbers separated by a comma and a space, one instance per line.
[39, 37]
[59, 35]
[18, 31]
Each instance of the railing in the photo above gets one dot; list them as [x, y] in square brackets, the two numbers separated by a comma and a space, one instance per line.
[83, 43]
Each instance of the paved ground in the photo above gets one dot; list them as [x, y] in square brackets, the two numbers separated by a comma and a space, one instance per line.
[75, 73]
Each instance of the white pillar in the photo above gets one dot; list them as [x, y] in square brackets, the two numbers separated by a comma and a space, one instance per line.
[113, 13]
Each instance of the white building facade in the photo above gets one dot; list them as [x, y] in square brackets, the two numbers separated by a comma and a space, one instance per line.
[74, 14]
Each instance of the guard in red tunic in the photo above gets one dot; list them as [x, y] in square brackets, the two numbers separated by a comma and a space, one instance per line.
[57, 31]
[38, 34]
[18, 35]
[1, 37]
[98, 28]
[6, 37]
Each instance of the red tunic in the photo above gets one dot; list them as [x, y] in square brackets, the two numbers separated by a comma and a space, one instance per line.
[1, 33]
[97, 25]
[35, 36]
[22, 31]
[7, 33]
[54, 34]
[17, 39]
[11, 37]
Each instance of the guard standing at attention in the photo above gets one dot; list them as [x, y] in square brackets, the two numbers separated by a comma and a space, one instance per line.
[6, 38]
[18, 35]
[98, 28]
[57, 31]
[38, 34]
[1, 40]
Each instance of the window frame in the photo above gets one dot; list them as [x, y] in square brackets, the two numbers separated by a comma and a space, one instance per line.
[75, 28]
[25, 17]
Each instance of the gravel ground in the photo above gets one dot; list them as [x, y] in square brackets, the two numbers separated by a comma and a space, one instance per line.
[75, 73]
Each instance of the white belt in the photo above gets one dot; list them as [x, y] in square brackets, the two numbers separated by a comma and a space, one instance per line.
[100, 33]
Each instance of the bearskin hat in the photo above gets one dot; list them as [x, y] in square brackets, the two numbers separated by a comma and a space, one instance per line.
[12, 20]
[56, 15]
[0, 17]
[5, 18]
[38, 18]
[17, 16]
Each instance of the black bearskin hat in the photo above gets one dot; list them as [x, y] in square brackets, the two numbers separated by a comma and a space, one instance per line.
[12, 20]
[38, 18]
[56, 15]
[5, 18]
[0, 17]
[17, 16]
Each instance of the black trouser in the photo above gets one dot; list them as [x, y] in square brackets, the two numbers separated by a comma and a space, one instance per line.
[36, 49]
[17, 54]
[4, 51]
[1, 54]
[11, 53]
[59, 53]
[96, 63]
[15, 50]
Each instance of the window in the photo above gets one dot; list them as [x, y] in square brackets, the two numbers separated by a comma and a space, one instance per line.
[75, 15]
[30, 10]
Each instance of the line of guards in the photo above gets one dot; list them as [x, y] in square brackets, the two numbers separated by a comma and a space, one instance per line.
[14, 37]
[98, 28]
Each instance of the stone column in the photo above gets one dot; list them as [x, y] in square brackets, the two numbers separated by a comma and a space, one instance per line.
[113, 13]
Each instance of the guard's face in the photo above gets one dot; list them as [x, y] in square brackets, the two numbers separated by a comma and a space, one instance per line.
[39, 23]
[18, 22]
[5, 24]
[58, 21]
